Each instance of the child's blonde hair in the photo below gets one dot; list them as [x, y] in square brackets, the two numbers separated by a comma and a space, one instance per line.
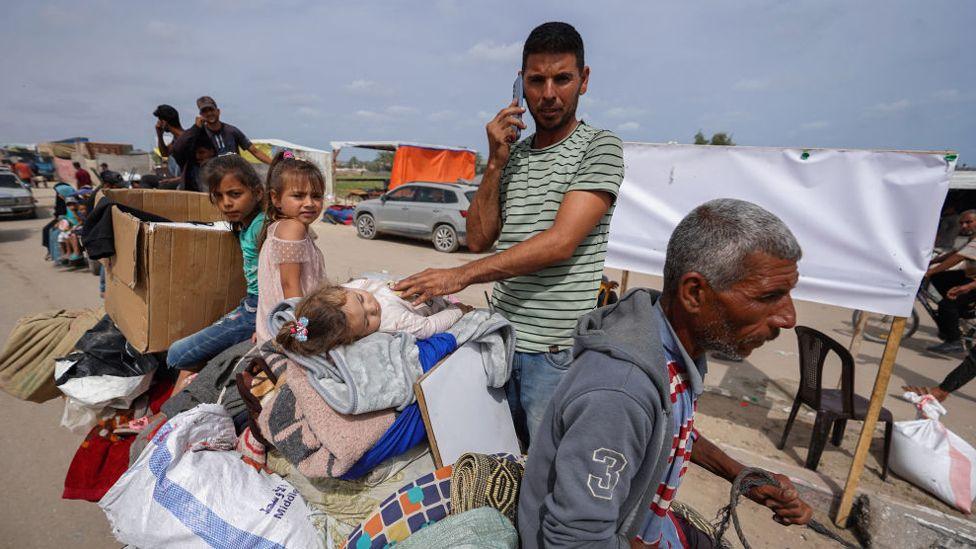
[327, 326]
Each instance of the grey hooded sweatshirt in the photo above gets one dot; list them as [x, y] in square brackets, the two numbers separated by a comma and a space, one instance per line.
[603, 445]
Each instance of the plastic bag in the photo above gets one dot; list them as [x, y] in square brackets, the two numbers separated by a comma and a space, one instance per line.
[930, 456]
[79, 419]
[100, 391]
[190, 489]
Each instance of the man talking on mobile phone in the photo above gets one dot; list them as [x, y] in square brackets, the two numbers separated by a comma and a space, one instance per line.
[546, 200]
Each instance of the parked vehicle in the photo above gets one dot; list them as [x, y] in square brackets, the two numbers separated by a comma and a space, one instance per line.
[429, 211]
[16, 197]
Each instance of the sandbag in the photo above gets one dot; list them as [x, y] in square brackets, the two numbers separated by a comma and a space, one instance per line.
[27, 360]
[930, 456]
[189, 488]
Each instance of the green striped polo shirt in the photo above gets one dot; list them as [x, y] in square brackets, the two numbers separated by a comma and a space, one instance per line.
[544, 306]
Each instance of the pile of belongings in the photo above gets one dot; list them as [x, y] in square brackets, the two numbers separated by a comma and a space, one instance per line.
[428, 511]
[264, 448]
[104, 373]
[107, 386]
[188, 488]
[27, 360]
[341, 415]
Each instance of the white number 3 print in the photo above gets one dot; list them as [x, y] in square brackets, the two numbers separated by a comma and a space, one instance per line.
[602, 486]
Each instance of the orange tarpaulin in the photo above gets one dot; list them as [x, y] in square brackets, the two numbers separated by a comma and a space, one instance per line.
[434, 165]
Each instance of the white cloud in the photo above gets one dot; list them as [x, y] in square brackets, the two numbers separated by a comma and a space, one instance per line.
[309, 112]
[624, 112]
[892, 107]
[442, 116]
[628, 126]
[587, 100]
[367, 87]
[751, 84]
[947, 95]
[489, 50]
[300, 99]
[816, 125]
[400, 110]
[368, 115]
[485, 115]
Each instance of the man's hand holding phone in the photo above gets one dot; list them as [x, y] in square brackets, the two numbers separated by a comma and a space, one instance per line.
[501, 133]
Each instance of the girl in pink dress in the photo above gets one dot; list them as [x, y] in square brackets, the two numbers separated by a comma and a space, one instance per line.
[290, 264]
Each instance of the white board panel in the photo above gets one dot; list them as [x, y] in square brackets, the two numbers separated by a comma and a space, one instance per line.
[462, 413]
[866, 220]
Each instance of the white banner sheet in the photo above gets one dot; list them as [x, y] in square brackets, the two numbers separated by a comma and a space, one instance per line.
[866, 220]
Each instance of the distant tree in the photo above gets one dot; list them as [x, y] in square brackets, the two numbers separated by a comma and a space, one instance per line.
[720, 138]
[384, 161]
[353, 162]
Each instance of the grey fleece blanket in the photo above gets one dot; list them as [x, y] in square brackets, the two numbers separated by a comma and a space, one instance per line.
[378, 371]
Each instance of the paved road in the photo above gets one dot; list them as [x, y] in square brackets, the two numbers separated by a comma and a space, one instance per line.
[36, 451]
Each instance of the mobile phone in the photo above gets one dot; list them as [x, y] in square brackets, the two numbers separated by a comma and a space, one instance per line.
[517, 95]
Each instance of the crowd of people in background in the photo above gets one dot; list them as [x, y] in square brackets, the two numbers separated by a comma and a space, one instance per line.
[185, 152]
[188, 149]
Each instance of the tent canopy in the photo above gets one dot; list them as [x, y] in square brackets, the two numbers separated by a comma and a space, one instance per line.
[322, 159]
[420, 162]
[392, 145]
[963, 180]
[866, 219]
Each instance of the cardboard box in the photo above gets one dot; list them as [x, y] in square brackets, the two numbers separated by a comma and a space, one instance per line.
[169, 280]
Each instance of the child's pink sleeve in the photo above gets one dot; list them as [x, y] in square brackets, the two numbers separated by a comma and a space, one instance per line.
[424, 327]
[288, 251]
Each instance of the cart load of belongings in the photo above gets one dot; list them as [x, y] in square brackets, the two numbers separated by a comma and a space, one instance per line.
[323, 439]
[318, 448]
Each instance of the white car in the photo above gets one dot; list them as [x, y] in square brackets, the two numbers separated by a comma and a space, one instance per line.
[16, 198]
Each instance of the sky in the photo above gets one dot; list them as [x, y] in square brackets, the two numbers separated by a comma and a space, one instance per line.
[884, 75]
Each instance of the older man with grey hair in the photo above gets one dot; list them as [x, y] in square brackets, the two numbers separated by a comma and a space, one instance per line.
[608, 459]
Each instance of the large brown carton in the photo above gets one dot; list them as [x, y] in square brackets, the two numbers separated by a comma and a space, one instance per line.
[169, 280]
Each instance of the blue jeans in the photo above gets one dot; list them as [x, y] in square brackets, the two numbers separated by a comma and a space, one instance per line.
[535, 377]
[232, 328]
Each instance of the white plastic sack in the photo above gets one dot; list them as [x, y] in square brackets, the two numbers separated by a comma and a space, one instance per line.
[80, 419]
[102, 391]
[930, 456]
[190, 489]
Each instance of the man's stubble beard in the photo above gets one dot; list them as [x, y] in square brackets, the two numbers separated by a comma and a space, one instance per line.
[719, 336]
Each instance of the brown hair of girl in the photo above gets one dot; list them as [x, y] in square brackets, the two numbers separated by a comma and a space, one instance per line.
[217, 168]
[286, 170]
[327, 326]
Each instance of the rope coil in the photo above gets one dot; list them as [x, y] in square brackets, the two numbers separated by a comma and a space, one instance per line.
[750, 478]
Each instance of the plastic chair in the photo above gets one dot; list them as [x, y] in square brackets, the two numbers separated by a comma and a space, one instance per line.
[834, 406]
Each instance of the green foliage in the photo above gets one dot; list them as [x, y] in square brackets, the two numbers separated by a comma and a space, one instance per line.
[720, 138]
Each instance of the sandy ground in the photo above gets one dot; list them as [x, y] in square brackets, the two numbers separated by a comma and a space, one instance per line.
[36, 452]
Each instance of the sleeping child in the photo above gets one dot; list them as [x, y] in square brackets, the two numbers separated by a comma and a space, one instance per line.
[334, 315]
